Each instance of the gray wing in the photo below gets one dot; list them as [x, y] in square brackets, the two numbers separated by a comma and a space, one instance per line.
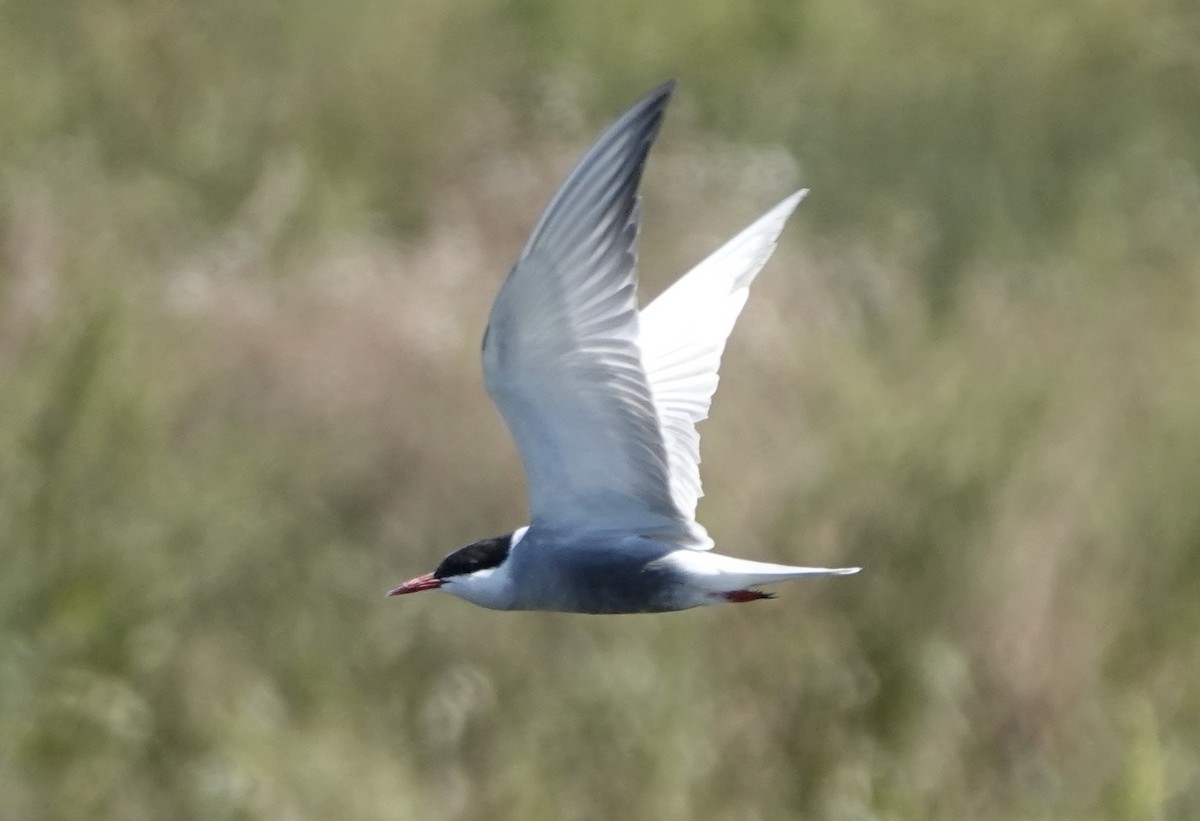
[561, 357]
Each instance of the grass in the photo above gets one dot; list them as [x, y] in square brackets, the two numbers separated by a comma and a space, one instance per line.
[247, 252]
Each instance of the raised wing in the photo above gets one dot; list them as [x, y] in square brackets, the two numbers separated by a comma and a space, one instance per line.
[683, 335]
[561, 357]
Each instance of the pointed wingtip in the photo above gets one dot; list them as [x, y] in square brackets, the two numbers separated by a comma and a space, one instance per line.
[847, 571]
[654, 105]
[606, 178]
[655, 99]
[665, 88]
[789, 204]
[770, 225]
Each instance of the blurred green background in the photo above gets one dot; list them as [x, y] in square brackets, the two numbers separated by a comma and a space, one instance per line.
[246, 254]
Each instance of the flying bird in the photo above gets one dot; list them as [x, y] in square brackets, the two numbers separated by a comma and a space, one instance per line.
[603, 401]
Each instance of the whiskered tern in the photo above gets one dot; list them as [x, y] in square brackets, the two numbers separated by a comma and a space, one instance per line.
[603, 402]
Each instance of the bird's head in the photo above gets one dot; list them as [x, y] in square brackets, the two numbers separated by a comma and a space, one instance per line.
[476, 573]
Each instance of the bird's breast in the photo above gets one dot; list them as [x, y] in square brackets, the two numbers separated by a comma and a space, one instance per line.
[595, 573]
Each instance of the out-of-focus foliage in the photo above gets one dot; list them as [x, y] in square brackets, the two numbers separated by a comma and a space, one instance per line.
[247, 252]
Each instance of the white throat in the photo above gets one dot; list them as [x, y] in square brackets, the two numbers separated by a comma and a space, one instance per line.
[491, 587]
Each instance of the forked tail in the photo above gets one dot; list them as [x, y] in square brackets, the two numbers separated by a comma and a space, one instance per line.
[726, 575]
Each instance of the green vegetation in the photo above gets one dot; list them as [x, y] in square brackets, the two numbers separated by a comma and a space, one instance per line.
[246, 252]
